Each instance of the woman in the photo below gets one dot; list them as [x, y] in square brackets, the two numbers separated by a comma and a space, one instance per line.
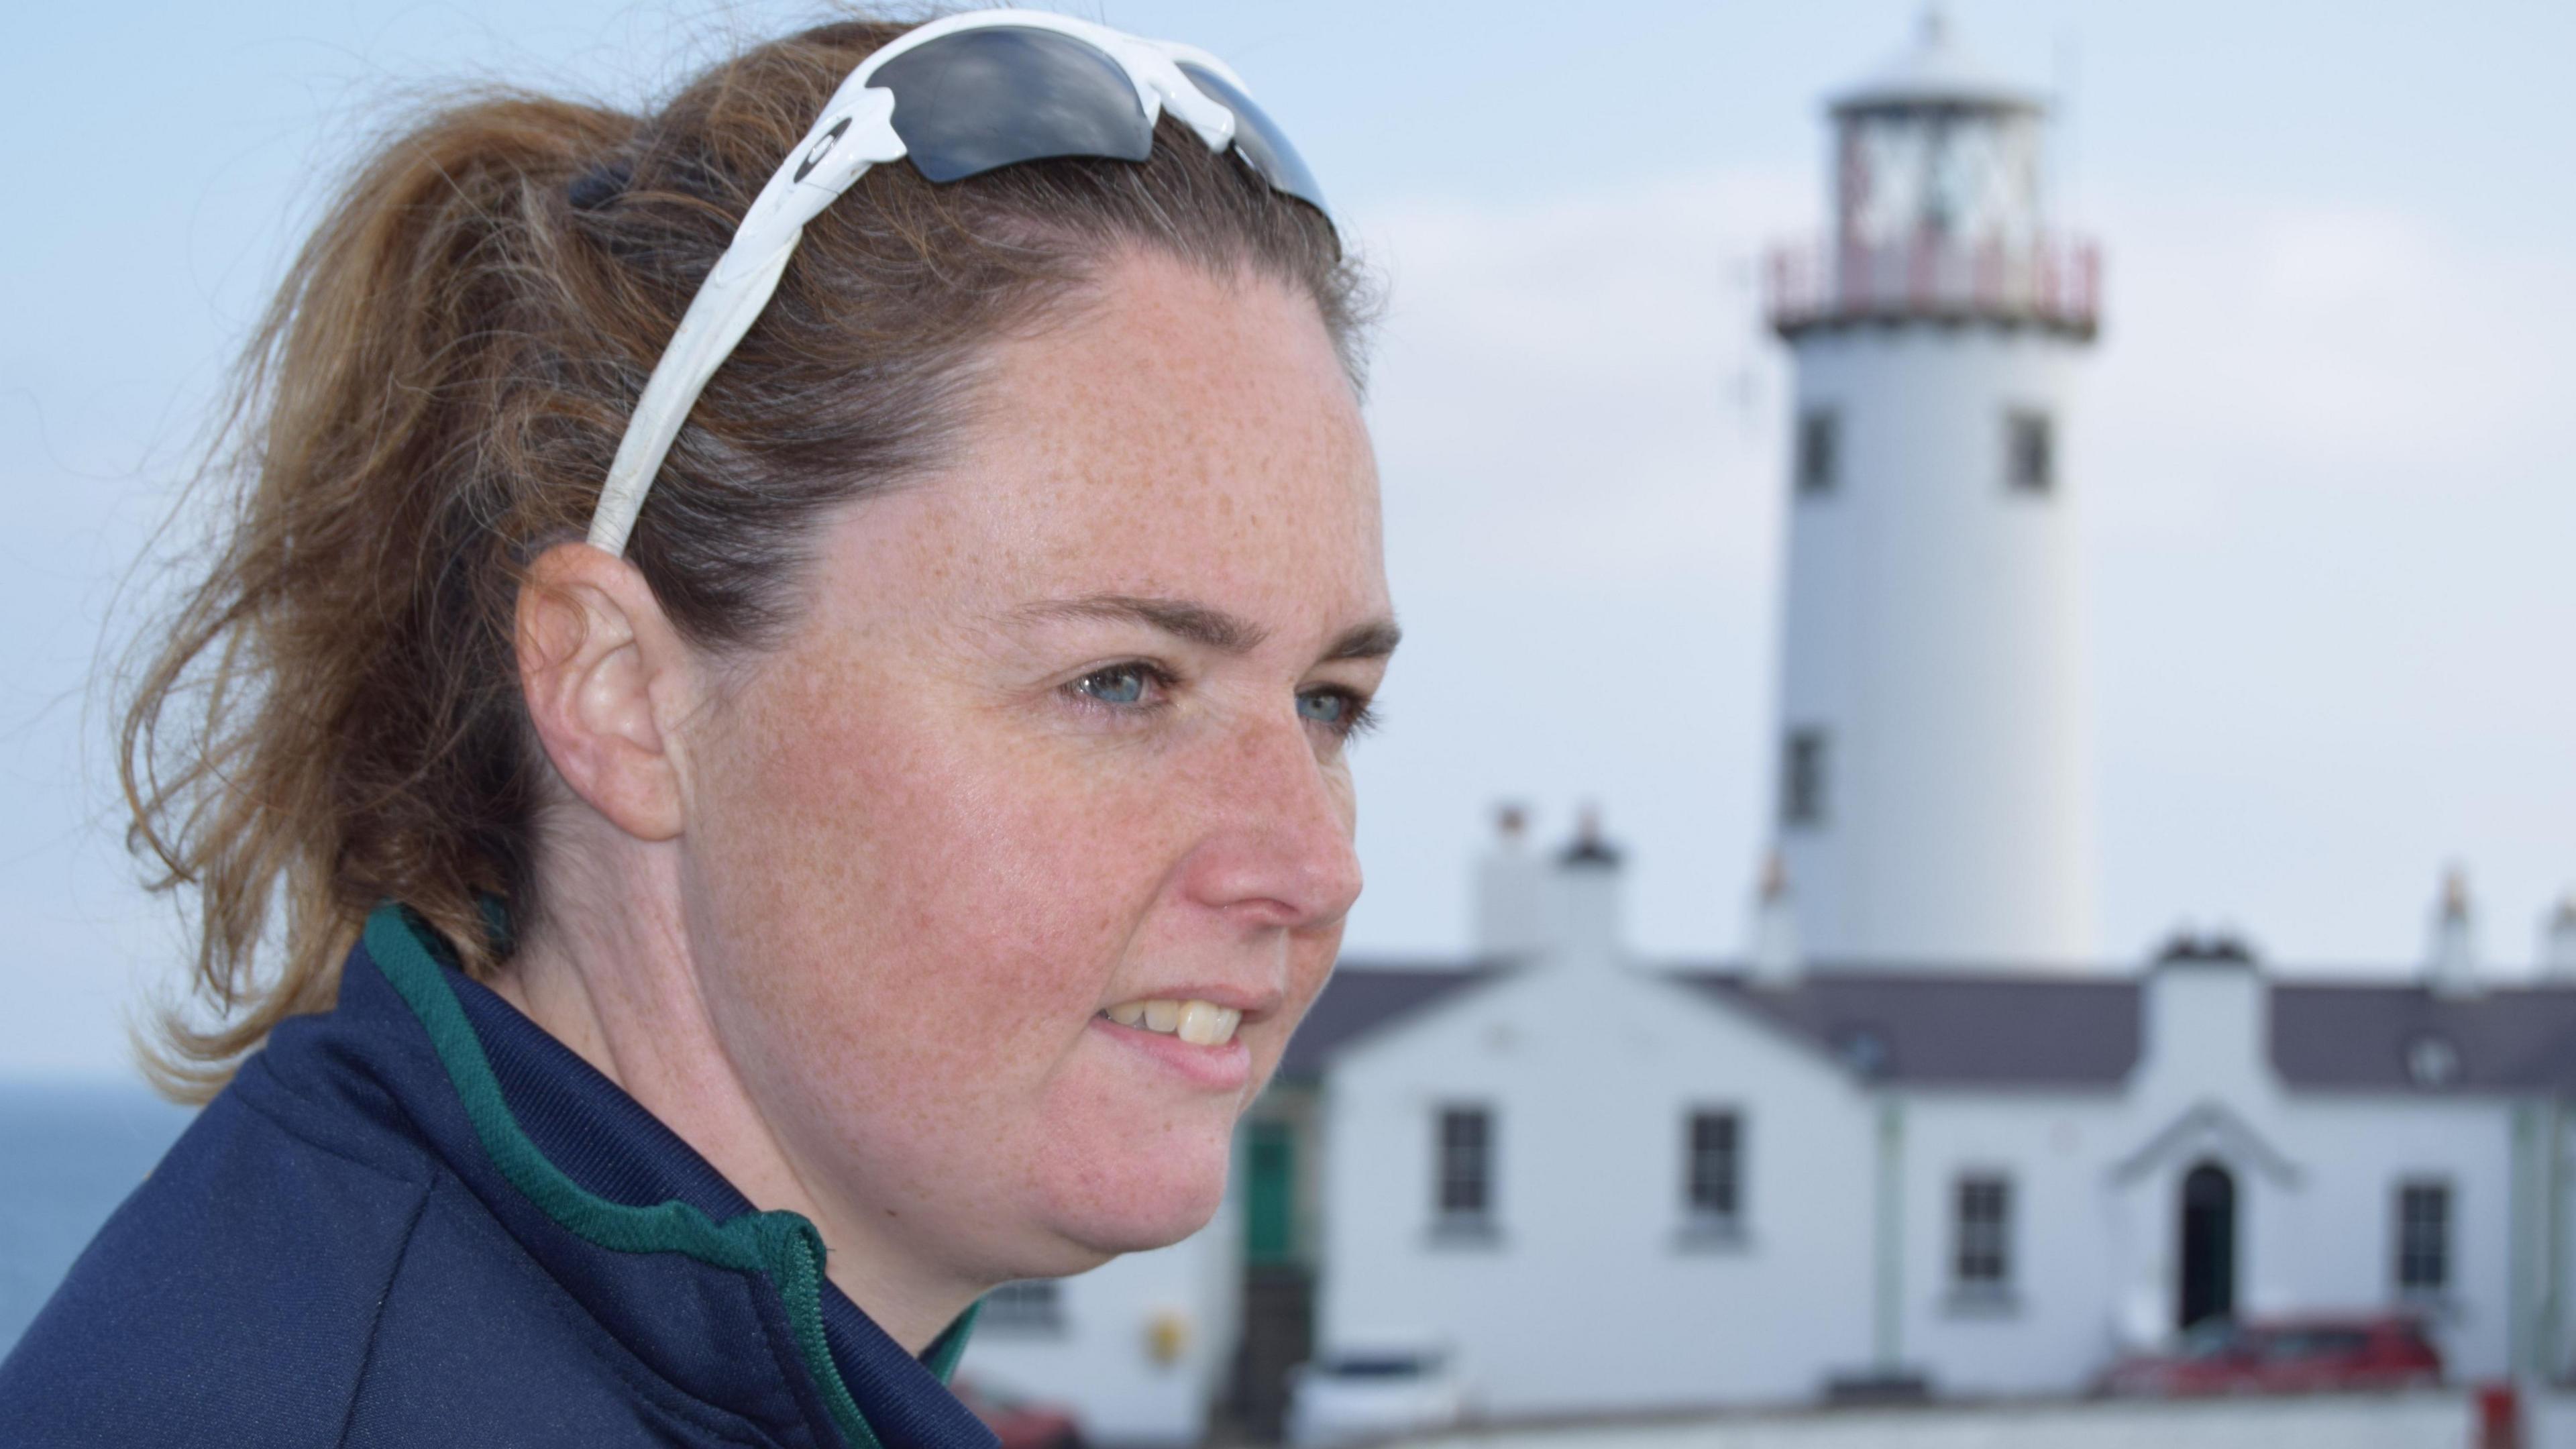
[707, 958]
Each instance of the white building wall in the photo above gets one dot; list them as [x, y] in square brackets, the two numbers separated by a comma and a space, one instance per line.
[2052, 1330]
[2098, 1226]
[2342, 1250]
[2204, 1036]
[1591, 1296]
[2558, 1313]
[1934, 629]
[2145, 1248]
[2204, 1048]
[2324, 1236]
[2095, 1255]
[1589, 1300]
[1100, 1358]
[2553, 1419]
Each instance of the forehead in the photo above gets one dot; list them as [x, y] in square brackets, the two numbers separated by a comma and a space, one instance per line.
[1176, 432]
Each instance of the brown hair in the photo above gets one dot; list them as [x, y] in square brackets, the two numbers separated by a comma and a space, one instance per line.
[331, 716]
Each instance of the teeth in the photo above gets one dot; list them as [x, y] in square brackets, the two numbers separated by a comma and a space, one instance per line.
[1205, 1025]
[1200, 1023]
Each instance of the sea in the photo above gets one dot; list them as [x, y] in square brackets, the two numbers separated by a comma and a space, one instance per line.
[70, 1151]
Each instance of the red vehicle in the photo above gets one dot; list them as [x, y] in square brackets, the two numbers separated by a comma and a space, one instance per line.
[1018, 1423]
[2285, 1356]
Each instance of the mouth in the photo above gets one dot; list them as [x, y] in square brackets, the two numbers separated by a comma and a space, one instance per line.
[1195, 1039]
[1197, 1023]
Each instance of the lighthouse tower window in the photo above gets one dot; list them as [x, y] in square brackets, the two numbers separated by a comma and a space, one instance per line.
[2030, 453]
[1816, 463]
[1802, 778]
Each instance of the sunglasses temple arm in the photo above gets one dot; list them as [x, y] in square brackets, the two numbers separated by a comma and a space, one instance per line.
[737, 289]
[718, 316]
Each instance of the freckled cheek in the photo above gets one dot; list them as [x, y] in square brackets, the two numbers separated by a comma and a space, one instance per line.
[971, 882]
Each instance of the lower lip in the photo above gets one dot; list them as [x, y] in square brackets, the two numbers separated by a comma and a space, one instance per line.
[1226, 1067]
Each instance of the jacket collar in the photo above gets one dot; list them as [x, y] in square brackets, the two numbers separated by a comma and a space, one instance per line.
[550, 1130]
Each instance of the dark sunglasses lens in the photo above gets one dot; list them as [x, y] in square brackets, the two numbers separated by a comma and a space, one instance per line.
[978, 99]
[1262, 144]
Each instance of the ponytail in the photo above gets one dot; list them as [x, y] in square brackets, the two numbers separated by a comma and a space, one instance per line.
[330, 718]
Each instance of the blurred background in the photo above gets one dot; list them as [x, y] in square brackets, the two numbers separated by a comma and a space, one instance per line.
[1978, 777]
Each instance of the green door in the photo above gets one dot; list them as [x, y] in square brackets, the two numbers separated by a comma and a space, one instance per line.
[1270, 1199]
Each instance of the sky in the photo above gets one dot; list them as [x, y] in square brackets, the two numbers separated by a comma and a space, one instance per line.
[2323, 454]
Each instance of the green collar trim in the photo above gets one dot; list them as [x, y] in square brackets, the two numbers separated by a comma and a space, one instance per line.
[950, 1345]
[782, 1245]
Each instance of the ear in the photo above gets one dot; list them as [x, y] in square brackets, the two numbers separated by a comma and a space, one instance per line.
[606, 676]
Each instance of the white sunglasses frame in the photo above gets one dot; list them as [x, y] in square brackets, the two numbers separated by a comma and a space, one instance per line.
[855, 131]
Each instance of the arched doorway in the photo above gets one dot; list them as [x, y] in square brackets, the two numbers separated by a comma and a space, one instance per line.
[2208, 1244]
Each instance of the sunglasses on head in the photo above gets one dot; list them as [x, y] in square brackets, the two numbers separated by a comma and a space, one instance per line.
[956, 98]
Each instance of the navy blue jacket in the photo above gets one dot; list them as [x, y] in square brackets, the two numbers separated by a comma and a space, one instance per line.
[418, 1219]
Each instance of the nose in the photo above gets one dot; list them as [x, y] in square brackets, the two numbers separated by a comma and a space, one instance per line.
[1278, 849]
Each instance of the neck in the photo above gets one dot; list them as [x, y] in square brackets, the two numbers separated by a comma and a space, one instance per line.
[609, 971]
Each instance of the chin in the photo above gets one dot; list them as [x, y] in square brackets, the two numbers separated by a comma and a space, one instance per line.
[1136, 1199]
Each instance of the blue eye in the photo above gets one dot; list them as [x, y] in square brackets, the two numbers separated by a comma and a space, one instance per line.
[1118, 684]
[1324, 707]
[1337, 711]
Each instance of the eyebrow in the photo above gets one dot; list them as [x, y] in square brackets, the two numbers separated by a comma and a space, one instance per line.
[1374, 640]
[1214, 628]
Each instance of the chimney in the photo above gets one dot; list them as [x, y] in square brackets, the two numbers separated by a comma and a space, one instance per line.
[2204, 1016]
[2558, 941]
[1511, 892]
[2451, 965]
[1584, 895]
[1775, 956]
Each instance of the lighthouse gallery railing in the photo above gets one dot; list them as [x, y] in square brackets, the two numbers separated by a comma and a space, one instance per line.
[2052, 282]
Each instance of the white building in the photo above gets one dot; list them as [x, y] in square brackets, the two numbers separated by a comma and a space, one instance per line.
[1909, 1143]
[1614, 1186]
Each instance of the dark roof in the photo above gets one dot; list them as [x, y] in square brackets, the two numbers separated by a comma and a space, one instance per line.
[1951, 1029]
[2358, 1036]
[1360, 998]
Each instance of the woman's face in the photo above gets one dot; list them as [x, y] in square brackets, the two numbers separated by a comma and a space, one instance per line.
[1063, 732]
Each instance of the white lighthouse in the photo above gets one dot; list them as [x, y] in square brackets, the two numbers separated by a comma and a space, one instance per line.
[1932, 801]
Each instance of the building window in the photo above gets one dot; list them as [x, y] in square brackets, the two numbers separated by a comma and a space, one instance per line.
[1802, 777]
[1817, 464]
[1713, 1169]
[1982, 1260]
[1034, 1305]
[2030, 452]
[1463, 1195]
[2423, 1237]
